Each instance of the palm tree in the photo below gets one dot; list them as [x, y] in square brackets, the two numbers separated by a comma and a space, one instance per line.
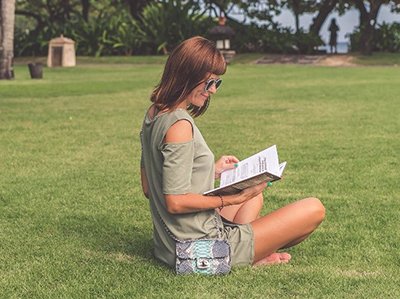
[7, 17]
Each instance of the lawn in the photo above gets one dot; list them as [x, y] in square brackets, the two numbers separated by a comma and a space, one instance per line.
[73, 220]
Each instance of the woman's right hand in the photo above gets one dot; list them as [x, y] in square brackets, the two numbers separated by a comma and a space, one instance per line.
[248, 194]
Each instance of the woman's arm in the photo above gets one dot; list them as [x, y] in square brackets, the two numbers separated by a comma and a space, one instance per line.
[188, 203]
[181, 132]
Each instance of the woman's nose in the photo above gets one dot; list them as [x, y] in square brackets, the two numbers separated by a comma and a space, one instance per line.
[212, 89]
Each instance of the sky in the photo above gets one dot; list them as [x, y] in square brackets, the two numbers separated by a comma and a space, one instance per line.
[346, 23]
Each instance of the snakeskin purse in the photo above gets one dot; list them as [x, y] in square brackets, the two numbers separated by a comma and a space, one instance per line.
[203, 256]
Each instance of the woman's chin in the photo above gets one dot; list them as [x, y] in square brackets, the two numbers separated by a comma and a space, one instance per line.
[199, 105]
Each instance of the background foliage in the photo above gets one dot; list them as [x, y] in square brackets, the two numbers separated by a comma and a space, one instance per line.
[126, 27]
[386, 38]
[168, 23]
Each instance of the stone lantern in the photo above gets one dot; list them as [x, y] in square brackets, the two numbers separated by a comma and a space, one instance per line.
[222, 35]
[61, 52]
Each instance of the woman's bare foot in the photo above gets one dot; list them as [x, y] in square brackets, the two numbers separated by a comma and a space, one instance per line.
[275, 258]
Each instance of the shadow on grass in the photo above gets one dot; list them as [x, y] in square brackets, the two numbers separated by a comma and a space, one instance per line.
[105, 235]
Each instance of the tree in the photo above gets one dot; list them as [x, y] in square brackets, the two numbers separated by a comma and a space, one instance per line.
[261, 10]
[51, 14]
[7, 19]
[85, 9]
[299, 7]
[83, 20]
[369, 11]
[295, 5]
[324, 8]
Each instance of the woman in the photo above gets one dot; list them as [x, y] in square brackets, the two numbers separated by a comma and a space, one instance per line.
[177, 167]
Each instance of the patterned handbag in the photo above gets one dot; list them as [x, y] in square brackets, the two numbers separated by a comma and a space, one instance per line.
[202, 256]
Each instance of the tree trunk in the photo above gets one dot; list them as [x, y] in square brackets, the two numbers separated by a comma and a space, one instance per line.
[85, 9]
[319, 20]
[7, 17]
[367, 25]
[366, 39]
[297, 22]
[296, 9]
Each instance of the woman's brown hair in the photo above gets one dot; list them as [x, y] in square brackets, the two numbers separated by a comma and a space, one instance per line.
[187, 66]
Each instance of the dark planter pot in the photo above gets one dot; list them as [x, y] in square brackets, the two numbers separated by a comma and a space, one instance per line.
[36, 70]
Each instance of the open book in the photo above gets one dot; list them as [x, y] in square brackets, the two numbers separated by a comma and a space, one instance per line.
[261, 167]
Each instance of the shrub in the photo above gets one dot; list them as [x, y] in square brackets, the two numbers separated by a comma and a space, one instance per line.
[386, 38]
[274, 39]
[354, 37]
[168, 23]
[127, 37]
[307, 43]
[108, 34]
[105, 33]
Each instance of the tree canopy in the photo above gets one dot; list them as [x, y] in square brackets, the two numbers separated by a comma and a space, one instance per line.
[107, 27]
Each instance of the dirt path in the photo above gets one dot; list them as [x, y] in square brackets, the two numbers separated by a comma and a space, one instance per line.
[337, 60]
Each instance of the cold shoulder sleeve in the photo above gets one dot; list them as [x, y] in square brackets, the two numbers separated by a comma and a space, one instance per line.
[177, 167]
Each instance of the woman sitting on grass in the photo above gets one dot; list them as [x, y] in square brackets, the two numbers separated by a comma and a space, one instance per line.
[177, 167]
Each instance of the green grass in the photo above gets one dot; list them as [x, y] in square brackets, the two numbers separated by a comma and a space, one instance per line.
[376, 59]
[73, 221]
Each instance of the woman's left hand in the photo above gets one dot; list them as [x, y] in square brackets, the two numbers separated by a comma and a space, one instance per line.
[224, 163]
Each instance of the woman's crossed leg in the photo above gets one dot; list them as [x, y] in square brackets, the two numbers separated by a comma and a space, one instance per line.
[282, 228]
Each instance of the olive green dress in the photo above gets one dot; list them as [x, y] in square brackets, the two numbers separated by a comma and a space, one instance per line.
[180, 168]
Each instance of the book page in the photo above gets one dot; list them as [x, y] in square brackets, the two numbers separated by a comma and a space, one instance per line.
[281, 168]
[266, 160]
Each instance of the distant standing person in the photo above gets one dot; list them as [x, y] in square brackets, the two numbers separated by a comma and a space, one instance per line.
[333, 28]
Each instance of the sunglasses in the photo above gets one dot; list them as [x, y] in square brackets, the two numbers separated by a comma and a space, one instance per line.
[211, 82]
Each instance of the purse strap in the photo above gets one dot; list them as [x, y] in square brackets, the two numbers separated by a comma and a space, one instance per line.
[175, 238]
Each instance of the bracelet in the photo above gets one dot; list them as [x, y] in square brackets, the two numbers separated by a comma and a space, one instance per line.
[222, 203]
